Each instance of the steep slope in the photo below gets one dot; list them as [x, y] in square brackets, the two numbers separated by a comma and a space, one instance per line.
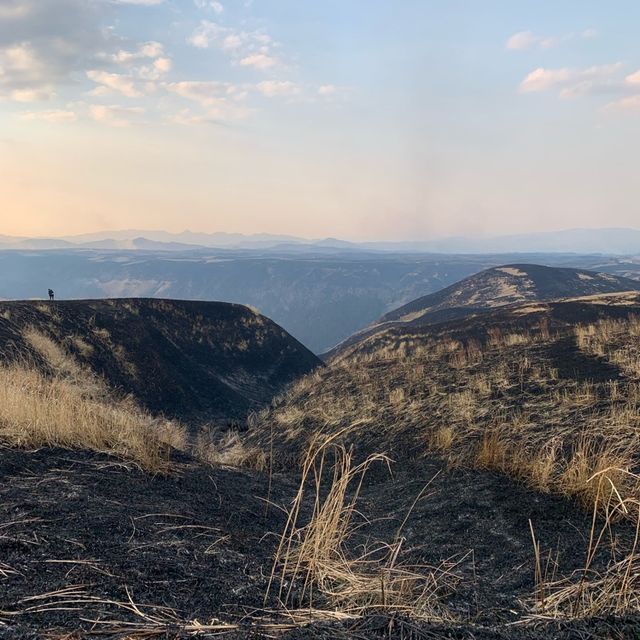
[497, 287]
[184, 359]
[527, 374]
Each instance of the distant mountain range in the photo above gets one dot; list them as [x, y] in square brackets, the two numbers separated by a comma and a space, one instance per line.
[618, 241]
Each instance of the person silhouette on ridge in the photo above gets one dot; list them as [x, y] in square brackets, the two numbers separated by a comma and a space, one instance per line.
[51, 294]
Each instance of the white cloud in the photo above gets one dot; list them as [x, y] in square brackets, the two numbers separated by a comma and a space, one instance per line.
[45, 45]
[62, 49]
[115, 82]
[544, 79]
[327, 90]
[207, 93]
[525, 40]
[24, 74]
[215, 6]
[55, 116]
[145, 50]
[628, 104]
[115, 115]
[246, 48]
[258, 61]
[32, 95]
[633, 79]
[274, 88]
[163, 65]
[209, 33]
[215, 115]
[147, 62]
[574, 82]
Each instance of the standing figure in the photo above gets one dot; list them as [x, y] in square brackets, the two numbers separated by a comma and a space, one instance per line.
[51, 294]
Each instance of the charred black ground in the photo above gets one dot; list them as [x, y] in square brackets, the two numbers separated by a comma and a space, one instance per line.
[185, 359]
[83, 535]
[200, 543]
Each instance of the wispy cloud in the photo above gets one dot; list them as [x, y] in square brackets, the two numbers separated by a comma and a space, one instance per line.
[569, 82]
[115, 115]
[44, 45]
[274, 88]
[327, 90]
[600, 80]
[246, 48]
[206, 93]
[259, 61]
[525, 40]
[630, 104]
[213, 5]
[113, 82]
[54, 116]
[71, 53]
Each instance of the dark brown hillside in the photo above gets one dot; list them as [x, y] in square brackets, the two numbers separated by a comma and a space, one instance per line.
[493, 288]
[181, 358]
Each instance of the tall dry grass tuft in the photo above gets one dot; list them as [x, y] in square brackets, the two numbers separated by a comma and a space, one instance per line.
[318, 557]
[37, 410]
[590, 592]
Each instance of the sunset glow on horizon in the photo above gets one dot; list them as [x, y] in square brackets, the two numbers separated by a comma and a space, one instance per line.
[362, 120]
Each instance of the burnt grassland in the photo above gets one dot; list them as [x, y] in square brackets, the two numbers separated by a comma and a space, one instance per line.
[532, 391]
[190, 360]
[476, 480]
[546, 395]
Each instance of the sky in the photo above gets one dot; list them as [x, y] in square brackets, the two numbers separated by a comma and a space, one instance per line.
[358, 119]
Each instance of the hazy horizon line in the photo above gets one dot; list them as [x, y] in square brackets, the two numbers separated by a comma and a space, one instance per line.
[285, 235]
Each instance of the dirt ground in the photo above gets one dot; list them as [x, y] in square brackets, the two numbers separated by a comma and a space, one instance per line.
[82, 536]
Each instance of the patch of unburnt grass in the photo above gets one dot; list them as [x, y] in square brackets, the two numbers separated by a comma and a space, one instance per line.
[70, 407]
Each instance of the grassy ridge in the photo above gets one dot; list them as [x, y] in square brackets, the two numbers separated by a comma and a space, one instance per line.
[550, 404]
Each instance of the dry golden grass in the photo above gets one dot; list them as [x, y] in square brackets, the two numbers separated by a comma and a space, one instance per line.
[43, 411]
[229, 450]
[443, 439]
[52, 353]
[589, 592]
[70, 407]
[614, 340]
[499, 405]
[318, 558]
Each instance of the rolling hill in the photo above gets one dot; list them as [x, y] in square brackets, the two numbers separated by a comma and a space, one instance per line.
[182, 359]
[436, 480]
[319, 297]
[496, 287]
[395, 389]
